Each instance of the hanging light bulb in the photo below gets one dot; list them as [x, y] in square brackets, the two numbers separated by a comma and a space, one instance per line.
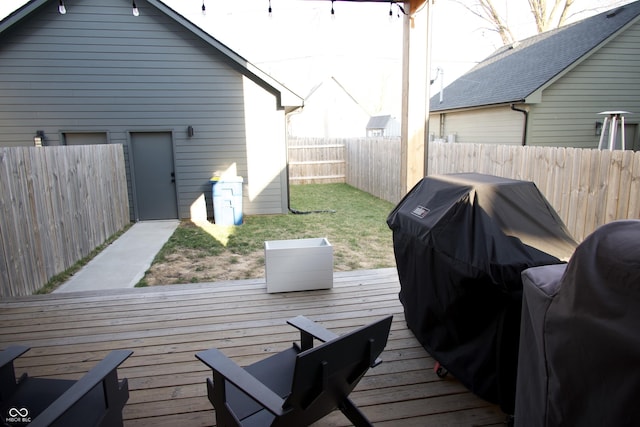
[135, 11]
[333, 12]
[204, 8]
[390, 11]
[270, 10]
[61, 9]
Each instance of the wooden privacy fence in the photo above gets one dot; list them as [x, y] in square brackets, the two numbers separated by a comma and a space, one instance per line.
[316, 160]
[56, 205]
[369, 164]
[587, 187]
[373, 165]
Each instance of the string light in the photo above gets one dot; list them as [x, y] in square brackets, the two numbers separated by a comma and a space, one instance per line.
[136, 12]
[400, 9]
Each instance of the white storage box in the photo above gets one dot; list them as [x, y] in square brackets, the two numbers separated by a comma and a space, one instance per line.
[298, 265]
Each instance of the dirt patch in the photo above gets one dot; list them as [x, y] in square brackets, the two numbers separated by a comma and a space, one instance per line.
[191, 266]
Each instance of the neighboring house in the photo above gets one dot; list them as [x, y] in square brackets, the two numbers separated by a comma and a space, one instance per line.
[549, 89]
[329, 112]
[184, 105]
[383, 126]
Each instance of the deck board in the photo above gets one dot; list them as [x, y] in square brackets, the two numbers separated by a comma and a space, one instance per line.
[166, 325]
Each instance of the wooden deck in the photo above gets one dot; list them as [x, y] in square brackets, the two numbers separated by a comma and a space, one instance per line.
[165, 326]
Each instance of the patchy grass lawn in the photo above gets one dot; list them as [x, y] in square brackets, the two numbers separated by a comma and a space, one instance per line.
[354, 222]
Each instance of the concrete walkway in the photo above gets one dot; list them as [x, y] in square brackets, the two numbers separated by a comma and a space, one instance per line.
[123, 263]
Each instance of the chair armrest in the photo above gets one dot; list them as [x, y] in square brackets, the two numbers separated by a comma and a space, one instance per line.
[243, 380]
[8, 383]
[309, 330]
[12, 353]
[84, 385]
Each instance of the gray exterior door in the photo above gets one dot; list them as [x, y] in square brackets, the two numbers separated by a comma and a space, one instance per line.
[154, 175]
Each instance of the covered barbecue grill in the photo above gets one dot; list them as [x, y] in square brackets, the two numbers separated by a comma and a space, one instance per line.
[461, 242]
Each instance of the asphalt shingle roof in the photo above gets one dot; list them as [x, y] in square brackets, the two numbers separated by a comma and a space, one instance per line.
[512, 73]
[378, 122]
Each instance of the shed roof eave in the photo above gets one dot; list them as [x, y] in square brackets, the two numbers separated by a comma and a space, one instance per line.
[587, 55]
[286, 97]
[536, 90]
[535, 97]
[478, 107]
[17, 15]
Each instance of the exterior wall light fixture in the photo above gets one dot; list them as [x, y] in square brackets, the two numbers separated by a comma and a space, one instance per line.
[39, 139]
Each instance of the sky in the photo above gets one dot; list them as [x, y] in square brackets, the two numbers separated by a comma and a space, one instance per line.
[301, 44]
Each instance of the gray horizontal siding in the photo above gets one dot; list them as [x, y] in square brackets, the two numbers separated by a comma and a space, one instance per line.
[498, 125]
[98, 68]
[607, 80]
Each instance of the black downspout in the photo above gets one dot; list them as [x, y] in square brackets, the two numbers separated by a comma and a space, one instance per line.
[526, 122]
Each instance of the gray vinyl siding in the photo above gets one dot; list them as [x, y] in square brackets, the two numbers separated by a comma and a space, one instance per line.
[490, 125]
[98, 68]
[607, 80]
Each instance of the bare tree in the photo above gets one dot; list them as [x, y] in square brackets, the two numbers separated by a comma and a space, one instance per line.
[546, 21]
[547, 15]
[490, 13]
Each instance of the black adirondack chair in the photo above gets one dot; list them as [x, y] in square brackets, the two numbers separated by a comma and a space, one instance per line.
[298, 386]
[96, 399]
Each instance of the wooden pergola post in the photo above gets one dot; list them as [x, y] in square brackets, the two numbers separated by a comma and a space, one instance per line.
[415, 93]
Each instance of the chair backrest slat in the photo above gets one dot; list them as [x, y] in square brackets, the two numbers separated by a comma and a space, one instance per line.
[326, 374]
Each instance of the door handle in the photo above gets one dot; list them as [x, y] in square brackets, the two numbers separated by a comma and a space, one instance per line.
[173, 177]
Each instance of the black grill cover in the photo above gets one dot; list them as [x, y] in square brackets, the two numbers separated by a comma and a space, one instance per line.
[580, 335]
[461, 242]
